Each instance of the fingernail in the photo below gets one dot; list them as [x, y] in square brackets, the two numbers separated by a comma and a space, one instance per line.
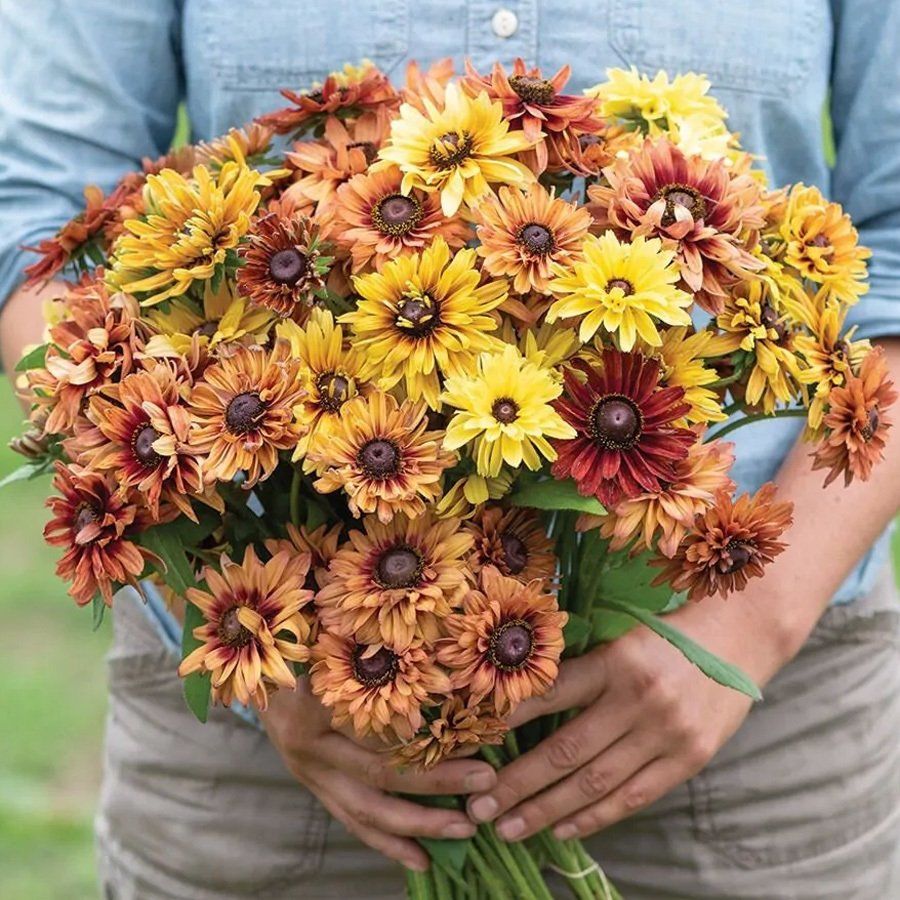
[565, 831]
[482, 780]
[483, 809]
[459, 830]
[510, 829]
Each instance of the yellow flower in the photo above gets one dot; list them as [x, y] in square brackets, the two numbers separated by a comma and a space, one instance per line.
[191, 224]
[504, 409]
[332, 373]
[458, 150]
[223, 318]
[468, 495]
[622, 288]
[422, 315]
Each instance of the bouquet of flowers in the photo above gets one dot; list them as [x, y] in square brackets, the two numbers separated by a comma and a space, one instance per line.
[417, 390]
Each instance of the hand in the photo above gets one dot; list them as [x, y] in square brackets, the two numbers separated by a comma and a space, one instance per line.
[355, 783]
[650, 721]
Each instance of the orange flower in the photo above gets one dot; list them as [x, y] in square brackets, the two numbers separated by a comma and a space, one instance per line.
[856, 422]
[393, 583]
[373, 221]
[514, 541]
[730, 543]
[93, 521]
[506, 643]
[710, 215]
[379, 689]
[254, 627]
[523, 233]
[321, 544]
[380, 454]
[243, 409]
[427, 86]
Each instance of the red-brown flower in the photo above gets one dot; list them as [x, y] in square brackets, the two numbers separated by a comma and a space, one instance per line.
[514, 541]
[626, 441]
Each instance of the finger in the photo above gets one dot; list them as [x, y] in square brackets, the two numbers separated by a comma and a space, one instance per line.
[566, 750]
[456, 776]
[643, 788]
[588, 785]
[579, 682]
[374, 809]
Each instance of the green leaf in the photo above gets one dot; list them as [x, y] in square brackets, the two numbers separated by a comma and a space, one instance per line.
[553, 495]
[711, 665]
[576, 629]
[34, 359]
[196, 686]
[98, 608]
[450, 855]
[24, 473]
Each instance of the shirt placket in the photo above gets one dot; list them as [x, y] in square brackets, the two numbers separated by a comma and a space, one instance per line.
[502, 30]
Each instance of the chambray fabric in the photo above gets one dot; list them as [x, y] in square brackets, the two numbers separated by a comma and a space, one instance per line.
[88, 87]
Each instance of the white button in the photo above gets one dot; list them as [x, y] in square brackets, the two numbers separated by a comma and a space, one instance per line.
[504, 22]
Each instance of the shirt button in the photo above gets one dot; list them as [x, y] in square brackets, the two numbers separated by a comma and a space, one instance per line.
[504, 22]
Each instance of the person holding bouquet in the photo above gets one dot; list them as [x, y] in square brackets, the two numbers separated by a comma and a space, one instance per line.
[676, 783]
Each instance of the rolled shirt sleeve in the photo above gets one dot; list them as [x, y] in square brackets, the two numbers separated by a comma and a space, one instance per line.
[865, 109]
[87, 88]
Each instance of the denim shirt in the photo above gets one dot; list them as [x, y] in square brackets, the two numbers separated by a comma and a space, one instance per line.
[88, 87]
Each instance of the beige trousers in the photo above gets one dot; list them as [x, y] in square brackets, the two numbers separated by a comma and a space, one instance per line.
[802, 804]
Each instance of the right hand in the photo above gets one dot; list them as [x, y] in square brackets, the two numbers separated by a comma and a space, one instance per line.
[355, 783]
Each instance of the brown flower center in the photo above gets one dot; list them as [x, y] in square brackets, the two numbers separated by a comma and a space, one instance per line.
[207, 329]
[288, 266]
[86, 514]
[515, 552]
[616, 422]
[820, 240]
[399, 567]
[397, 215]
[370, 151]
[684, 196]
[769, 318]
[505, 410]
[622, 284]
[334, 389]
[379, 458]
[536, 238]
[231, 632]
[532, 90]
[740, 553]
[244, 413]
[375, 670]
[417, 316]
[511, 645]
[142, 446]
[872, 422]
[450, 149]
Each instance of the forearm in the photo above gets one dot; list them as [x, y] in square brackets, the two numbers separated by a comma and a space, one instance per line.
[765, 625]
[22, 323]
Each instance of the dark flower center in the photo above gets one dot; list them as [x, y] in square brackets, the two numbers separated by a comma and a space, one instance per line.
[231, 632]
[142, 445]
[536, 238]
[617, 423]
[207, 329]
[400, 567]
[450, 149]
[769, 318]
[820, 240]
[740, 553]
[872, 422]
[505, 410]
[379, 458]
[532, 90]
[417, 315]
[511, 645]
[622, 284]
[397, 214]
[334, 390]
[85, 515]
[244, 412]
[589, 140]
[370, 151]
[684, 196]
[515, 552]
[288, 266]
[375, 670]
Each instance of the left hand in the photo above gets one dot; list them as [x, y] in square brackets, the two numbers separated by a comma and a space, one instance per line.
[650, 720]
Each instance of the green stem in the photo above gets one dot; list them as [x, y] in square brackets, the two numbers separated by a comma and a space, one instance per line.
[296, 482]
[418, 885]
[488, 875]
[501, 852]
[747, 420]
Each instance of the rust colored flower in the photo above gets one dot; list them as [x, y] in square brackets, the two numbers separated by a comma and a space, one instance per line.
[856, 422]
[243, 412]
[427, 86]
[93, 521]
[254, 626]
[626, 442]
[283, 267]
[536, 104]
[506, 642]
[512, 540]
[382, 456]
[379, 689]
[458, 727]
[393, 583]
[709, 214]
[589, 153]
[729, 544]
[373, 221]
[524, 233]
[321, 544]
